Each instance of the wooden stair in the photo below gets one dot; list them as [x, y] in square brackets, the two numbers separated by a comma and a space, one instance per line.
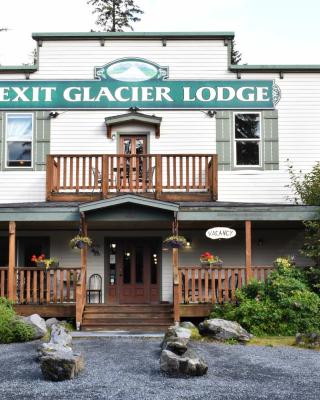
[127, 317]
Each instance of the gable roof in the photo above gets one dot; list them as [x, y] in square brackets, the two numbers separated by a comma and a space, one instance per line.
[128, 199]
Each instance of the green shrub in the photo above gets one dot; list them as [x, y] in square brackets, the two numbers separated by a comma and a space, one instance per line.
[12, 329]
[283, 305]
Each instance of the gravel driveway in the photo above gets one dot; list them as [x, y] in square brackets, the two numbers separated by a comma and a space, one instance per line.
[128, 369]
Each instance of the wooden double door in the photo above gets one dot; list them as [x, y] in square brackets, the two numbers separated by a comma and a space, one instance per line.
[132, 271]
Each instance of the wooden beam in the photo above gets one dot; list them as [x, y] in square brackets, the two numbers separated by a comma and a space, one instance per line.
[176, 306]
[248, 251]
[12, 262]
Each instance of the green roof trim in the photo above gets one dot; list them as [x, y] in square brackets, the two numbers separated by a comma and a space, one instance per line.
[128, 199]
[275, 68]
[240, 213]
[5, 69]
[128, 35]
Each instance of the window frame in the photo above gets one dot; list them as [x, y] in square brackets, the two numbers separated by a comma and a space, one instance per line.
[235, 140]
[15, 167]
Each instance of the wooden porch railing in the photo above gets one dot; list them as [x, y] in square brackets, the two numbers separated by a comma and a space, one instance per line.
[52, 286]
[160, 174]
[214, 284]
[3, 281]
[81, 298]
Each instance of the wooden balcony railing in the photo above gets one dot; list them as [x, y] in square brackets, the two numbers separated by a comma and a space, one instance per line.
[52, 286]
[166, 176]
[214, 284]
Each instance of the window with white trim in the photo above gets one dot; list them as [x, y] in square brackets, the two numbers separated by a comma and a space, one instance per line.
[19, 135]
[247, 139]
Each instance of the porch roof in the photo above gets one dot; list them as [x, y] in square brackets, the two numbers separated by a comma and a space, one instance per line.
[187, 211]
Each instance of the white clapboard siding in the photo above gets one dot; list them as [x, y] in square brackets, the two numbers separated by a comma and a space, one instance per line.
[22, 186]
[191, 59]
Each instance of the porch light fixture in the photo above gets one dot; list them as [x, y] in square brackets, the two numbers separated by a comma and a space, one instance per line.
[113, 245]
[53, 114]
[211, 113]
[188, 245]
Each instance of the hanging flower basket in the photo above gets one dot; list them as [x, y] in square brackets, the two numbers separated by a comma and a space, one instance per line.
[78, 242]
[175, 242]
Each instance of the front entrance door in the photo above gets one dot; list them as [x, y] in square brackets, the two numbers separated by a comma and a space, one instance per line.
[133, 271]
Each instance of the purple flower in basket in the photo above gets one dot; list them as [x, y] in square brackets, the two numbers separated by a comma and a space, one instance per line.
[175, 242]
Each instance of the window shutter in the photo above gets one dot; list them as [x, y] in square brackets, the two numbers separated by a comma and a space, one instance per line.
[42, 139]
[271, 140]
[1, 141]
[224, 141]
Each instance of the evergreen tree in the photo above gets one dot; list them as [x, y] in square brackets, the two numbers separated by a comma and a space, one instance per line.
[235, 54]
[115, 15]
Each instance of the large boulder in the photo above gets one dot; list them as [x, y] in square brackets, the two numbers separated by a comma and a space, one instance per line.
[189, 364]
[176, 345]
[61, 365]
[60, 336]
[308, 339]
[221, 329]
[47, 349]
[51, 321]
[188, 325]
[38, 324]
[176, 332]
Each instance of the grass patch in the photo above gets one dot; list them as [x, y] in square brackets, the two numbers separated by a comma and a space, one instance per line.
[272, 341]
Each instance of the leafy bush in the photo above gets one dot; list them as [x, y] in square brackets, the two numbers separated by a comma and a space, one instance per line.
[283, 305]
[306, 187]
[12, 329]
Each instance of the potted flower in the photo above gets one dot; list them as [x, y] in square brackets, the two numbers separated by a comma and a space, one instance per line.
[78, 242]
[209, 259]
[43, 262]
[175, 242]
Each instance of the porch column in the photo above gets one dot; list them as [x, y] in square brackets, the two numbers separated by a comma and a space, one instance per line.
[176, 305]
[81, 290]
[12, 293]
[248, 251]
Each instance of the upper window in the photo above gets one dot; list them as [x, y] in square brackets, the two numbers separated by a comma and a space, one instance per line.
[19, 133]
[247, 134]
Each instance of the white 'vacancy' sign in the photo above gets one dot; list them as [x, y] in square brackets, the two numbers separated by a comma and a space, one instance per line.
[220, 233]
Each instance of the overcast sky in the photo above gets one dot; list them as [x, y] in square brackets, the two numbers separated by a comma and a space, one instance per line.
[268, 32]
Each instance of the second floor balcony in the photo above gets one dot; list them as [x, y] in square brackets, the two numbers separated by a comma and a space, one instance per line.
[172, 177]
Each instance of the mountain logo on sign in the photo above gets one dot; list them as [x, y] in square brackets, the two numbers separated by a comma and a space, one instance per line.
[131, 70]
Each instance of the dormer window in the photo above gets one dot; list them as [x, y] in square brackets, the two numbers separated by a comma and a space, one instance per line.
[19, 134]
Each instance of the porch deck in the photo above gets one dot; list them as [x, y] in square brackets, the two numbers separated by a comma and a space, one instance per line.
[172, 177]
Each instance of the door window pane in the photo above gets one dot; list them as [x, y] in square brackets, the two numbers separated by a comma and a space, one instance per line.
[127, 266]
[154, 268]
[139, 265]
[19, 140]
[113, 264]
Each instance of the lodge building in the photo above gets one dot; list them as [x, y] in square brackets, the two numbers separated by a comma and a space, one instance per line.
[128, 138]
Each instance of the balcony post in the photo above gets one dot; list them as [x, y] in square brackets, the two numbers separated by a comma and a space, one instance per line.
[214, 178]
[49, 176]
[12, 295]
[105, 177]
[248, 251]
[158, 176]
